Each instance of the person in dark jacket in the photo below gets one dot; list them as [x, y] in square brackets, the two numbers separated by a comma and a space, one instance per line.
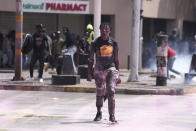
[26, 47]
[70, 43]
[40, 44]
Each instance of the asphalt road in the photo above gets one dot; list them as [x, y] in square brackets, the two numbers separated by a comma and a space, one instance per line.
[60, 111]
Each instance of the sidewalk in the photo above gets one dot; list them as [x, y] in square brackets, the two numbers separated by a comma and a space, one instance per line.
[146, 84]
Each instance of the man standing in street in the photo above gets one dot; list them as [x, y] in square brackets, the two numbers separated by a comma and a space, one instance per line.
[106, 71]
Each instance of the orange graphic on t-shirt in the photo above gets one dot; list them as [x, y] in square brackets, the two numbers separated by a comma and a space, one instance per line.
[106, 50]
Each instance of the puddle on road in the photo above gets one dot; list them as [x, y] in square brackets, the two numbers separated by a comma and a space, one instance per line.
[24, 115]
[45, 116]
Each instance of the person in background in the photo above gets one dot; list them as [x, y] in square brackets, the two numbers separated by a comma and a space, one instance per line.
[192, 47]
[173, 39]
[1, 49]
[3, 55]
[26, 47]
[10, 45]
[106, 70]
[89, 34]
[171, 59]
[70, 38]
[57, 47]
[70, 43]
[40, 45]
[49, 60]
[83, 45]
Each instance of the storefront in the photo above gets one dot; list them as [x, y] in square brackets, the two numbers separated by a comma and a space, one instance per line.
[55, 15]
[76, 14]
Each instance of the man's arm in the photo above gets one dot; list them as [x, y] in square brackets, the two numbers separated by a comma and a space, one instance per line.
[116, 62]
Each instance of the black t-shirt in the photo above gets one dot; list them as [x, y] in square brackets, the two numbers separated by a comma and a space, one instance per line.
[104, 50]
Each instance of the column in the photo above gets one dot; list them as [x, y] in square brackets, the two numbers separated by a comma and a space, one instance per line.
[97, 17]
[18, 41]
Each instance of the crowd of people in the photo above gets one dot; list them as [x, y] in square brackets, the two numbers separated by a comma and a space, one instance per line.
[43, 47]
[7, 49]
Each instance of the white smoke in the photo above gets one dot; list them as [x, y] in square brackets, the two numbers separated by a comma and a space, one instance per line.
[182, 63]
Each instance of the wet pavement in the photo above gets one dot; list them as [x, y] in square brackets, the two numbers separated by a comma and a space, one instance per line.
[145, 85]
[60, 111]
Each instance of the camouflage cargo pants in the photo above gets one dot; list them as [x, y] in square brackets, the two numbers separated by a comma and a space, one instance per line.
[105, 81]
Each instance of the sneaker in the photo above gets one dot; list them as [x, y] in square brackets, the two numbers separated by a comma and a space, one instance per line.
[112, 118]
[41, 80]
[30, 78]
[98, 116]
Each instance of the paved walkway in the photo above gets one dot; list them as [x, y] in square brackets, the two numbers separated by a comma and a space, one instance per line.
[146, 84]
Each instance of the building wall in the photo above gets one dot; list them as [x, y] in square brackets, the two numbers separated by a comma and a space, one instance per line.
[75, 23]
[159, 9]
[7, 22]
[121, 11]
[123, 25]
[176, 11]
[32, 19]
[8, 5]
[168, 9]
[186, 9]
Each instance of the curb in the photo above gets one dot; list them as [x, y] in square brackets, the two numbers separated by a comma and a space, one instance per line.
[131, 91]
[151, 91]
[190, 91]
[7, 71]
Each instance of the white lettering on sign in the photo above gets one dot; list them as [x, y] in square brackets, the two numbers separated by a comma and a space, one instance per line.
[52, 6]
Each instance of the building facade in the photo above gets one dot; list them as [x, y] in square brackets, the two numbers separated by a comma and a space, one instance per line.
[169, 14]
[158, 15]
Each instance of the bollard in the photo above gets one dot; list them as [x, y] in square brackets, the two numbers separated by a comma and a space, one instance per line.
[83, 59]
[66, 72]
[192, 69]
[162, 42]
